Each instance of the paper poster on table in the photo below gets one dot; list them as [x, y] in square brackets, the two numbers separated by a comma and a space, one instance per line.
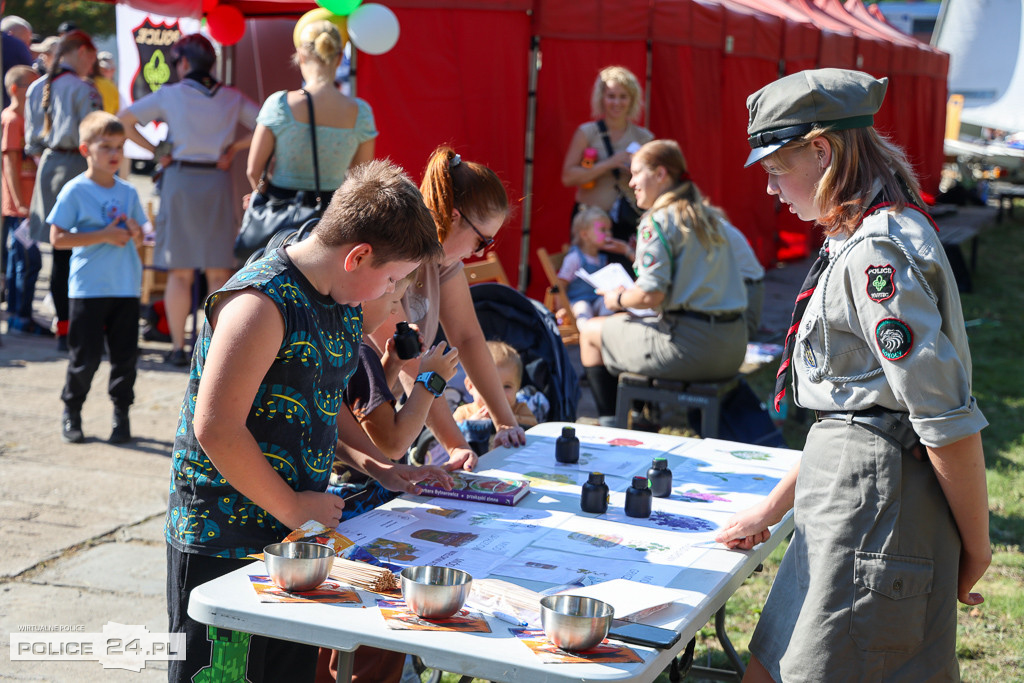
[760, 458]
[374, 524]
[473, 514]
[557, 567]
[144, 41]
[596, 537]
[594, 457]
[692, 522]
[720, 475]
[443, 533]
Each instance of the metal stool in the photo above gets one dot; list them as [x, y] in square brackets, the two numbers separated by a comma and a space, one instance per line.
[706, 397]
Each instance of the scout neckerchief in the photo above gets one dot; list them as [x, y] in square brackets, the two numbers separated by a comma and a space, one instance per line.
[810, 283]
[202, 81]
[806, 290]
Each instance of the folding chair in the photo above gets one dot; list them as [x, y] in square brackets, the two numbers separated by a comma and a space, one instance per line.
[488, 270]
[554, 298]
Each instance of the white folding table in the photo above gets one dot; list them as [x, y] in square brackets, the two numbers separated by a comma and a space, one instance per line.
[231, 602]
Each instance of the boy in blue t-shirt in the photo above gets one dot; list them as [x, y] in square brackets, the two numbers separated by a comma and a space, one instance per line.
[98, 216]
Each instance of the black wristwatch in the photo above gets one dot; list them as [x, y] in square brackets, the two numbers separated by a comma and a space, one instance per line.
[434, 382]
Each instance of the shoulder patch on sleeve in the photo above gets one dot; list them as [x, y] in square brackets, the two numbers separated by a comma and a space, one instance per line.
[894, 338]
[645, 233]
[647, 260]
[881, 284]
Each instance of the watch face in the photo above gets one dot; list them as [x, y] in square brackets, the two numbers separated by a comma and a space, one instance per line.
[436, 383]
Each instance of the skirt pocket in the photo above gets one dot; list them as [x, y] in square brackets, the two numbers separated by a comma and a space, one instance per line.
[890, 601]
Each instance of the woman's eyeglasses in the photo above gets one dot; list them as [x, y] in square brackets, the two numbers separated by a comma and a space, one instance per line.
[484, 241]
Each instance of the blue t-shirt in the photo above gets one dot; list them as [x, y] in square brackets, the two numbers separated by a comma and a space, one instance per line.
[99, 270]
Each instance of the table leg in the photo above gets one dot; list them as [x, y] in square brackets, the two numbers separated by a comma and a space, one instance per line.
[345, 666]
[723, 639]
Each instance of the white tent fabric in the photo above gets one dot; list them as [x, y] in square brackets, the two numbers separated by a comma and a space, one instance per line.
[986, 65]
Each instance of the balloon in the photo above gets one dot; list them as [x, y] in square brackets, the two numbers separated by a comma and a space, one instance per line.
[373, 29]
[342, 8]
[226, 24]
[320, 14]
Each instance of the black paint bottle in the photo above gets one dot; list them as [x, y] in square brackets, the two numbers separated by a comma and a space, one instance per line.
[660, 478]
[594, 497]
[407, 341]
[567, 447]
[638, 498]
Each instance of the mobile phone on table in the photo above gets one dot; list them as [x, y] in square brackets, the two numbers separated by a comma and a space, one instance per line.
[644, 634]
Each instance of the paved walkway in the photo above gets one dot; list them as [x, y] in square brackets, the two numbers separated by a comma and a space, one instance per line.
[84, 522]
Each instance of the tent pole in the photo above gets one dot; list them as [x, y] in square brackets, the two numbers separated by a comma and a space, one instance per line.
[352, 73]
[531, 122]
[647, 85]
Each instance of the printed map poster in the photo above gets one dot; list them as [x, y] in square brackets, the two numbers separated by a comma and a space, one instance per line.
[144, 41]
[511, 519]
[599, 538]
[558, 568]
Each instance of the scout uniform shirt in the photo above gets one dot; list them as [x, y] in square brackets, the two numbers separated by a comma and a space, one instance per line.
[71, 100]
[692, 277]
[884, 328]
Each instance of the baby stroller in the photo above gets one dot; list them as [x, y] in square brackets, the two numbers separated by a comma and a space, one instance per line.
[531, 329]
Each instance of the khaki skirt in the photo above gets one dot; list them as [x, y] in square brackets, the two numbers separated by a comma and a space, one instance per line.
[197, 222]
[867, 588]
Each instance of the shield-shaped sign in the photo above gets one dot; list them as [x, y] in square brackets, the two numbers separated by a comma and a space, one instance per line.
[154, 42]
[880, 282]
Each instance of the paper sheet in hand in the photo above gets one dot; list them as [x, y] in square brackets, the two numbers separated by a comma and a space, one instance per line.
[610, 278]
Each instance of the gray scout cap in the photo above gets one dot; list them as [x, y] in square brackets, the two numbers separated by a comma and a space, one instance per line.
[794, 105]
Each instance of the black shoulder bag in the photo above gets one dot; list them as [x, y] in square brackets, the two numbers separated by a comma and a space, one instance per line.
[624, 214]
[273, 209]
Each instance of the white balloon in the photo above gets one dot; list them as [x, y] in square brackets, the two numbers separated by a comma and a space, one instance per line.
[373, 28]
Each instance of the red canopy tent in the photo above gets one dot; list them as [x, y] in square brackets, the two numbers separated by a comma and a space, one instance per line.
[508, 81]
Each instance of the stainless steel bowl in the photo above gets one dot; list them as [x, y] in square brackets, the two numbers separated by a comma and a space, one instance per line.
[298, 566]
[435, 592]
[573, 622]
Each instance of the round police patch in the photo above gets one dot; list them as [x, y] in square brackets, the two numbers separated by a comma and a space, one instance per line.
[880, 285]
[894, 338]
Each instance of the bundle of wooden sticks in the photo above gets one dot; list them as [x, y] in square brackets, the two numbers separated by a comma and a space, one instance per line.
[364, 576]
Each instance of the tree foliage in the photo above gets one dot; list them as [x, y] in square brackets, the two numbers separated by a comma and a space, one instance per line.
[95, 18]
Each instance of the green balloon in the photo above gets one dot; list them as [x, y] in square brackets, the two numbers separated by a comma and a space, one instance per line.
[341, 8]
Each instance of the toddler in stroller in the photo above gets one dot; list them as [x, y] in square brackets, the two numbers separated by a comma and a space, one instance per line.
[550, 387]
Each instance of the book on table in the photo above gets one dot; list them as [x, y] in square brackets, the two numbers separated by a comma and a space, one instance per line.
[481, 488]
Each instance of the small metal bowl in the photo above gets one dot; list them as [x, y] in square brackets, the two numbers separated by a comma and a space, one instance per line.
[573, 622]
[299, 566]
[435, 592]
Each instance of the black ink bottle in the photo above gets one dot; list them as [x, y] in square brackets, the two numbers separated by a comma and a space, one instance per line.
[567, 447]
[407, 341]
[660, 478]
[638, 498]
[594, 497]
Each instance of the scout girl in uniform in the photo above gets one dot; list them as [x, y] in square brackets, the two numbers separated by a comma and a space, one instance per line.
[889, 499]
[685, 270]
[56, 104]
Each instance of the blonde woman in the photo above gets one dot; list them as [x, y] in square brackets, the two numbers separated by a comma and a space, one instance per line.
[687, 272]
[345, 130]
[615, 103]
